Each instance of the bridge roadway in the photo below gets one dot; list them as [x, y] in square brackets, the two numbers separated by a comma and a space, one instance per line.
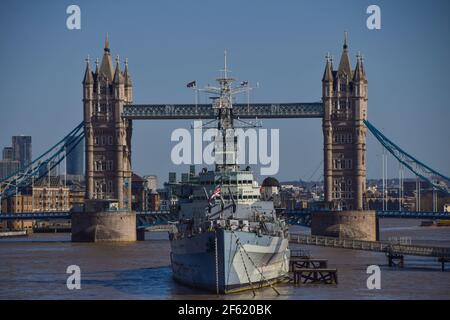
[289, 213]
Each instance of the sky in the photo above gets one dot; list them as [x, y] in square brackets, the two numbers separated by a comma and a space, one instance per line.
[280, 44]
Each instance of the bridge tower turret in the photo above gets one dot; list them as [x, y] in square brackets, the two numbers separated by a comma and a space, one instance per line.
[344, 95]
[360, 130]
[327, 94]
[88, 110]
[108, 136]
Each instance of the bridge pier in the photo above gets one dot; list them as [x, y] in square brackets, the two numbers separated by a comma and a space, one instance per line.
[99, 224]
[350, 224]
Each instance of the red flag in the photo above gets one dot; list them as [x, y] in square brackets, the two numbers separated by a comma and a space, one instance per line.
[215, 194]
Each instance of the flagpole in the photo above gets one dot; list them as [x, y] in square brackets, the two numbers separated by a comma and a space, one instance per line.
[248, 100]
[196, 98]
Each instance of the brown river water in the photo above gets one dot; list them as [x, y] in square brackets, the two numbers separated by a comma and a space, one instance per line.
[34, 267]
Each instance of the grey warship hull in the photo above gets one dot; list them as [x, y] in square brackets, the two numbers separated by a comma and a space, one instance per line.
[226, 261]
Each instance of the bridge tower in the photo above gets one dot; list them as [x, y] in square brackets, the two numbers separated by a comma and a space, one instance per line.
[345, 107]
[108, 155]
[108, 136]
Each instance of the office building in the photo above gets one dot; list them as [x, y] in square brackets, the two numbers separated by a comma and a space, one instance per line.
[21, 146]
[74, 158]
[8, 153]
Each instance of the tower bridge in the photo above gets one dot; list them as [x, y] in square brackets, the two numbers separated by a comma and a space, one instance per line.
[109, 111]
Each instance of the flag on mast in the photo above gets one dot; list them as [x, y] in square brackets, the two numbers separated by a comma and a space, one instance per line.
[215, 194]
[192, 84]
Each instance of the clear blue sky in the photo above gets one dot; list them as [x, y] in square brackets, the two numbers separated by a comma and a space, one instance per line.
[281, 44]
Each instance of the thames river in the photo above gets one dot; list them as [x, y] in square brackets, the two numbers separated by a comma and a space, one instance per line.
[34, 267]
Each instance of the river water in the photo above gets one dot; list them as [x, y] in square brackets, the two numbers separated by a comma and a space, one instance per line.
[35, 268]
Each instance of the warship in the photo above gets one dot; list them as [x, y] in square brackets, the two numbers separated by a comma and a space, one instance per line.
[228, 238]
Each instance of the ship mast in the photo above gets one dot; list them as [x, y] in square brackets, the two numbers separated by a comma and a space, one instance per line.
[226, 149]
[226, 142]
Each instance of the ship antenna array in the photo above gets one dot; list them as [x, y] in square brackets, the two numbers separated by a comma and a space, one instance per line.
[225, 70]
[222, 95]
[222, 104]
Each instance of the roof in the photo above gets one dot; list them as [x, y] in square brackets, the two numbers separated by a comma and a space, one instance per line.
[55, 182]
[270, 182]
[88, 75]
[328, 73]
[359, 74]
[118, 77]
[126, 74]
[344, 64]
[136, 178]
[106, 66]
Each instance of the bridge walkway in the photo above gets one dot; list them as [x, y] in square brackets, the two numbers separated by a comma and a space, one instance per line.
[392, 251]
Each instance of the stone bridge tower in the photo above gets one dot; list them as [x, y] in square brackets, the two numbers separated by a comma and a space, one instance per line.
[108, 136]
[344, 94]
